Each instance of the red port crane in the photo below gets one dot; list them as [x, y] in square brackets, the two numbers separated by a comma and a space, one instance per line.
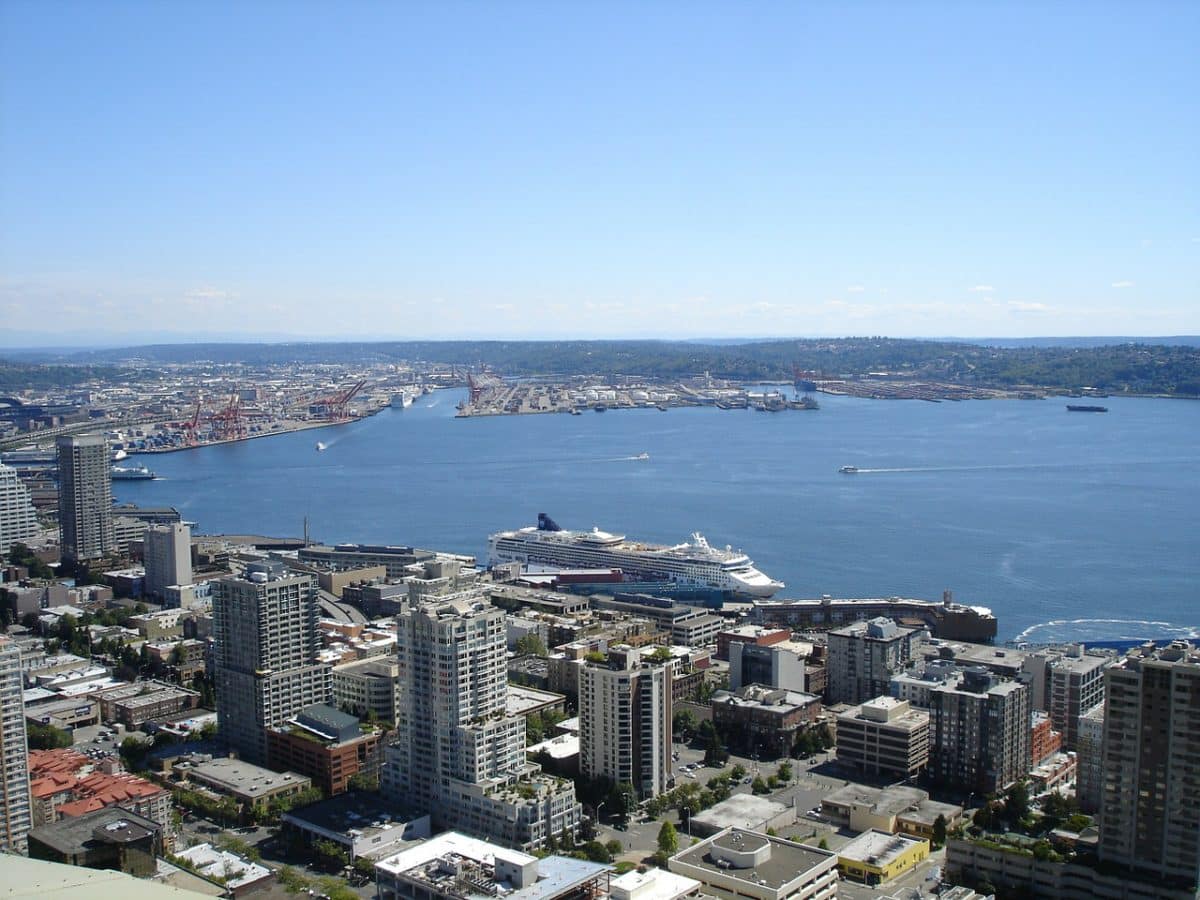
[334, 407]
[228, 424]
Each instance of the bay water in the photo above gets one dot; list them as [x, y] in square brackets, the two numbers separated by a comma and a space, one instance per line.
[1069, 526]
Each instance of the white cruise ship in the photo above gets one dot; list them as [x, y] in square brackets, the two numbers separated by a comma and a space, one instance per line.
[691, 566]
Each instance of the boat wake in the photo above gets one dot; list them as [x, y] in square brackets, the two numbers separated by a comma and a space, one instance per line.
[1061, 631]
[1015, 467]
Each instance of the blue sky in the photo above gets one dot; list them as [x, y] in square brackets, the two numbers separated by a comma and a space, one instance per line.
[662, 169]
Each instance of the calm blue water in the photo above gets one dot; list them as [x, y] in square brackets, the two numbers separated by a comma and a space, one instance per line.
[1044, 516]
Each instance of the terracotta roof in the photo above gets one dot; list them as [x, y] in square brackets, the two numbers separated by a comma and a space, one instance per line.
[51, 784]
[62, 761]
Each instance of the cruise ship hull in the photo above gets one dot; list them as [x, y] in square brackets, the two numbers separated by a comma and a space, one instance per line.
[689, 567]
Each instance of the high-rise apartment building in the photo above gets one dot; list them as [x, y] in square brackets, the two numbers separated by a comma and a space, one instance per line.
[980, 738]
[85, 497]
[16, 811]
[18, 518]
[864, 656]
[458, 754]
[1089, 760]
[625, 720]
[1150, 799]
[167, 553]
[1066, 684]
[265, 654]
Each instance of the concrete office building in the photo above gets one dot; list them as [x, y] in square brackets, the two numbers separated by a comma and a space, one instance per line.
[85, 497]
[167, 554]
[265, 654]
[16, 810]
[776, 665]
[980, 739]
[18, 518]
[458, 755]
[625, 713]
[1150, 802]
[863, 657]
[884, 736]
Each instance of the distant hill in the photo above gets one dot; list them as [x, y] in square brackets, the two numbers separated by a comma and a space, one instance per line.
[1133, 367]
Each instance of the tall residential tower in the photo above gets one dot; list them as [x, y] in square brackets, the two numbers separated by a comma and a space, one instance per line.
[16, 812]
[459, 755]
[266, 645]
[18, 519]
[85, 497]
[1150, 795]
[625, 721]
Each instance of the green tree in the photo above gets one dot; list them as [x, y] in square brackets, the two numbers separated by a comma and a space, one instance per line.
[684, 723]
[531, 645]
[939, 831]
[1016, 803]
[596, 852]
[785, 772]
[622, 800]
[46, 737]
[362, 781]
[759, 786]
[613, 847]
[738, 772]
[668, 840]
[823, 844]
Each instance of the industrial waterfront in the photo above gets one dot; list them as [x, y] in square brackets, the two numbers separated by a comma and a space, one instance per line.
[1015, 505]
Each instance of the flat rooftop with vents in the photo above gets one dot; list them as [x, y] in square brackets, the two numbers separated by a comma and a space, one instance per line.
[738, 863]
[453, 866]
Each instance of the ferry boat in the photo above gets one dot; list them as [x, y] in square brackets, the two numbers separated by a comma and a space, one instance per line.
[695, 565]
[132, 473]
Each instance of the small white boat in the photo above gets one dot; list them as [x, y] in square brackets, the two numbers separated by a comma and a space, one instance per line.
[642, 455]
[848, 470]
[320, 446]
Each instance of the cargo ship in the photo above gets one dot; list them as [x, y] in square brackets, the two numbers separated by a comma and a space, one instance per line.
[1075, 407]
[695, 565]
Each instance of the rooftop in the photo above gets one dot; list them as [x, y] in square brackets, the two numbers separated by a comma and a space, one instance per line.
[524, 700]
[562, 746]
[241, 777]
[355, 810]
[784, 861]
[740, 811]
[877, 848]
[213, 863]
[889, 801]
[71, 835]
[468, 865]
[653, 884]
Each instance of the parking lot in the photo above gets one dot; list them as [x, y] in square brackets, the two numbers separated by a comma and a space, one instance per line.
[96, 740]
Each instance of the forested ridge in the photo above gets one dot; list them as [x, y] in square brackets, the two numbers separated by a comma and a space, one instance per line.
[1125, 367]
